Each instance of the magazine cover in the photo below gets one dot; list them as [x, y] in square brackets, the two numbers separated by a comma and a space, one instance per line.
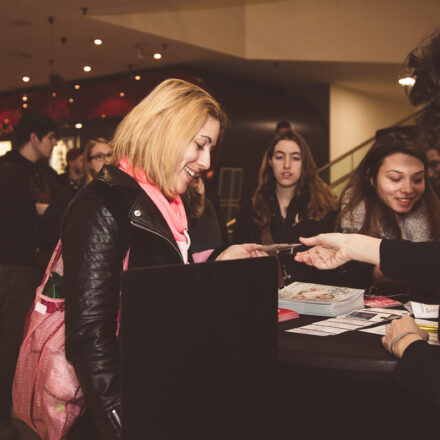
[316, 293]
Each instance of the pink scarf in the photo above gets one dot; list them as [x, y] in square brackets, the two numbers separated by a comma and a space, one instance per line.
[173, 212]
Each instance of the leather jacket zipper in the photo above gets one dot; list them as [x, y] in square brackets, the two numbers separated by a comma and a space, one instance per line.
[139, 225]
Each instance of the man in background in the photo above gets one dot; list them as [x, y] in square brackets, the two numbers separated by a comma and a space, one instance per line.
[26, 189]
[73, 173]
[433, 155]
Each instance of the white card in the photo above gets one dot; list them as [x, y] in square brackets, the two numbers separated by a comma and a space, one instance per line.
[40, 308]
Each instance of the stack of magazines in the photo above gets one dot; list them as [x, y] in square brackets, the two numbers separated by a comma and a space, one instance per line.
[319, 299]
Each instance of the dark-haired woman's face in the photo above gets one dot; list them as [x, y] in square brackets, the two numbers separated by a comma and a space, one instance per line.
[400, 182]
[286, 163]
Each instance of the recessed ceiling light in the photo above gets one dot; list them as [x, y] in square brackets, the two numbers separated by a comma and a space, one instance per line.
[157, 56]
[122, 94]
[137, 77]
[77, 86]
[54, 95]
[25, 105]
[87, 68]
[26, 79]
[103, 115]
[70, 100]
[407, 81]
[98, 41]
[24, 98]
[78, 125]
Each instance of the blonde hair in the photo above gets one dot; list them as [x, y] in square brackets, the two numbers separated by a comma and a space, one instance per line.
[87, 173]
[155, 134]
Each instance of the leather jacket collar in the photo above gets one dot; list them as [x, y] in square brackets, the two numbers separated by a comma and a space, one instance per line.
[143, 212]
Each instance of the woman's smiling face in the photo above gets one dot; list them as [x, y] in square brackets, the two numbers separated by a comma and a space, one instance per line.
[197, 156]
[400, 182]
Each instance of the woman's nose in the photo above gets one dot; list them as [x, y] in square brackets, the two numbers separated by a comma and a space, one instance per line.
[407, 187]
[205, 159]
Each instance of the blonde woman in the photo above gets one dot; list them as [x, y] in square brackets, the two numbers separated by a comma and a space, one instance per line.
[158, 149]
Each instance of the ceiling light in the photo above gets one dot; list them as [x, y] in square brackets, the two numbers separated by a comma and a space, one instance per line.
[78, 125]
[25, 105]
[103, 115]
[407, 81]
[122, 94]
[137, 77]
[98, 41]
[87, 68]
[77, 86]
[24, 98]
[157, 56]
[54, 95]
[26, 79]
[70, 100]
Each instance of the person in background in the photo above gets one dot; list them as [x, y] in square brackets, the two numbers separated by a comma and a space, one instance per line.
[98, 152]
[433, 156]
[290, 201]
[203, 225]
[389, 196]
[133, 206]
[282, 127]
[26, 189]
[74, 170]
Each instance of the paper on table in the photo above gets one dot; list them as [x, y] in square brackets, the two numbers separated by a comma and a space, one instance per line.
[344, 323]
[381, 330]
[420, 310]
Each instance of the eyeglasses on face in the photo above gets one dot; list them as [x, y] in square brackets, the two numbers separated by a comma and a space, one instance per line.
[100, 157]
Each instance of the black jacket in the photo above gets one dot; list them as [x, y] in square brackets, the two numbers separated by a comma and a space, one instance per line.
[288, 230]
[106, 218]
[417, 263]
[22, 184]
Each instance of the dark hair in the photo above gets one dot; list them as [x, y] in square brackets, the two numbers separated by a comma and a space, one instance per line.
[283, 124]
[322, 200]
[32, 123]
[424, 65]
[360, 189]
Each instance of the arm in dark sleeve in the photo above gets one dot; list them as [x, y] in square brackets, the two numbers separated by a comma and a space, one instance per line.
[417, 263]
[245, 228]
[93, 253]
[418, 373]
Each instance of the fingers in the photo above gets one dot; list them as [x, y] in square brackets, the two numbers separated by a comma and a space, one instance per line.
[310, 241]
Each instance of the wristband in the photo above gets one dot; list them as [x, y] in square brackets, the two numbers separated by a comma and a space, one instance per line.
[402, 335]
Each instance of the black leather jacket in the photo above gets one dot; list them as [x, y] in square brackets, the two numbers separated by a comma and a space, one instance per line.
[106, 218]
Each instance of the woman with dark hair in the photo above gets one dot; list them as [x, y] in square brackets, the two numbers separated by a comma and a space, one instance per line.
[417, 263]
[290, 200]
[389, 196]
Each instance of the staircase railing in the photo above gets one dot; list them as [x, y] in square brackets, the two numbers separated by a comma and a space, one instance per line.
[337, 172]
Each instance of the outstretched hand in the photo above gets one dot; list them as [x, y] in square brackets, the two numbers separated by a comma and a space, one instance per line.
[328, 252]
[248, 250]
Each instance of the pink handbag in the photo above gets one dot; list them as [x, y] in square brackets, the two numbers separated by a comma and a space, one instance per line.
[46, 394]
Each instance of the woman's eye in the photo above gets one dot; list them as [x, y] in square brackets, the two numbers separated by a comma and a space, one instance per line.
[396, 179]
[199, 147]
[417, 181]
[279, 157]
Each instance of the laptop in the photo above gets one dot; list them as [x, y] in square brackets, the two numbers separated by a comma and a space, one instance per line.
[199, 350]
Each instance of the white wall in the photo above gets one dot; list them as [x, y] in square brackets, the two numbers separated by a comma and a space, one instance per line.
[355, 116]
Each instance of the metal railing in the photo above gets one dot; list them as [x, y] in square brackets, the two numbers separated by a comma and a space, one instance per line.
[337, 172]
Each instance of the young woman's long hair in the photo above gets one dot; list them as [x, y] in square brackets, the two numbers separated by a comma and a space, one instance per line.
[361, 188]
[321, 199]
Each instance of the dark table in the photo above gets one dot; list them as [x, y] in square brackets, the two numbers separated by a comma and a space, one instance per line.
[342, 385]
[353, 351]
